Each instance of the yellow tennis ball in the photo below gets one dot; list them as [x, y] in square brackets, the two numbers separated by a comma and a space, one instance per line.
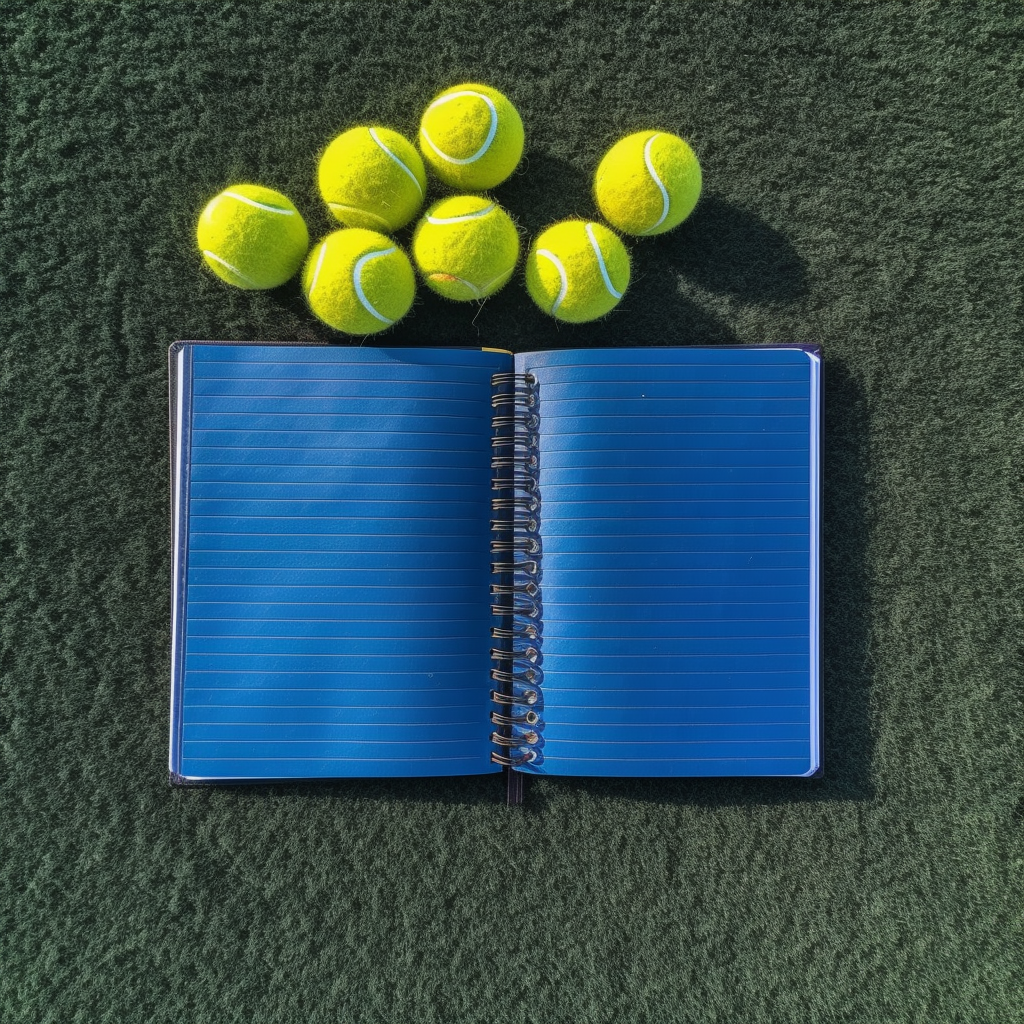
[648, 183]
[471, 136]
[577, 270]
[372, 178]
[465, 247]
[252, 237]
[358, 281]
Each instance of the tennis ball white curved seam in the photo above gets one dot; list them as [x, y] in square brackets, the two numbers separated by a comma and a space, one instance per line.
[316, 269]
[462, 161]
[401, 163]
[657, 181]
[499, 277]
[234, 270]
[600, 262]
[475, 289]
[259, 205]
[549, 255]
[461, 217]
[357, 273]
[363, 213]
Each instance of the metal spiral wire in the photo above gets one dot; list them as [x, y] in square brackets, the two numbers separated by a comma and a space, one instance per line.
[515, 587]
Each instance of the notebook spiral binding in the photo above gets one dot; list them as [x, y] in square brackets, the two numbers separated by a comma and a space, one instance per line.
[515, 589]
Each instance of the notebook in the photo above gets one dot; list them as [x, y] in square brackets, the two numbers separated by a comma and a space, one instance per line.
[443, 561]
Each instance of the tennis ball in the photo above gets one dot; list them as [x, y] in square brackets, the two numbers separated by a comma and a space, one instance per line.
[252, 237]
[577, 270]
[465, 247]
[358, 281]
[372, 178]
[472, 137]
[647, 183]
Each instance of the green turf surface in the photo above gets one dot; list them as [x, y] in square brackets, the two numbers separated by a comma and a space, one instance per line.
[863, 190]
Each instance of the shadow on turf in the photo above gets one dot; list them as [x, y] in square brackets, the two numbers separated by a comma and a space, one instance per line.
[726, 250]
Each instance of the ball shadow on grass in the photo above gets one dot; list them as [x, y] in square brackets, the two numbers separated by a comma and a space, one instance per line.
[727, 250]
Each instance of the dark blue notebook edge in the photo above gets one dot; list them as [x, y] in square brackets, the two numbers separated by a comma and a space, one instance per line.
[179, 383]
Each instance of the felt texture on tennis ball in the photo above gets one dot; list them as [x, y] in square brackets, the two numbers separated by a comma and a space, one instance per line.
[358, 281]
[648, 183]
[252, 237]
[465, 247]
[471, 136]
[372, 178]
[577, 270]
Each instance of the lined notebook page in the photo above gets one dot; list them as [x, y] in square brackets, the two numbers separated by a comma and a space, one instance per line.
[679, 569]
[332, 615]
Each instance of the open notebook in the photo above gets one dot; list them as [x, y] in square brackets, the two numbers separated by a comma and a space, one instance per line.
[417, 562]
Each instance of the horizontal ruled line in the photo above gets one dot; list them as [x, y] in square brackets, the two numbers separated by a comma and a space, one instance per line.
[483, 499]
[637, 707]
[575, 403]
[670, 586]
[677, 484]
[591, 654]
[325, 586]
[641, 451]
[672, 433]
[422, 689]
[687, 569]
[333, 757]
[346, 638]
[349, 723]
[677, 672]
[388, 519]
[299, 396]
[330, 430]
[344, 707]
[276, 378]
[347, 448]
[361, 467]
[345, 483]
[424, 622]
[348, 657]
[319, 604]
[550, 543]
[652, 501]
[219, 533]
[661, 742]
[655, 639]
[432, 742]
[484, 415]
[616, 519]
[694, 760]
[728, 369]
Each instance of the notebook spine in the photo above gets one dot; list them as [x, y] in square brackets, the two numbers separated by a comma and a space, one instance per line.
[515, 587]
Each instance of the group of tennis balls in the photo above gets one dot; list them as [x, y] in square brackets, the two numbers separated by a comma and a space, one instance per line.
[465, 247]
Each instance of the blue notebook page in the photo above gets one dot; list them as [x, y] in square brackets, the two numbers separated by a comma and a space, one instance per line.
[332, 566]
[679, 568]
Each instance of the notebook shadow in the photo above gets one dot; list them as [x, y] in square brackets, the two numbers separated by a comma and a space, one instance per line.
[848, 739]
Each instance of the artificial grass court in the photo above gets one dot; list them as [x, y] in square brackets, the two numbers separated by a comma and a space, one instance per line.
[862, 190]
